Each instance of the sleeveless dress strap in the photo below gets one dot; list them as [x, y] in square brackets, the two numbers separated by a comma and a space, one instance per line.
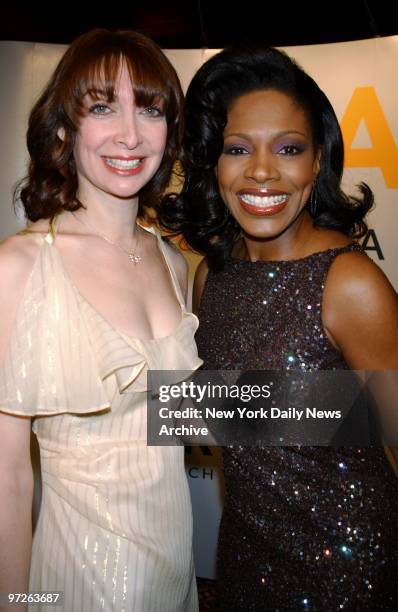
[166, 256]
[52, 230]
[49, 237]
[173, 274]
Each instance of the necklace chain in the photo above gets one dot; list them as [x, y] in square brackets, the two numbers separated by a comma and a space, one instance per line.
[131, 254]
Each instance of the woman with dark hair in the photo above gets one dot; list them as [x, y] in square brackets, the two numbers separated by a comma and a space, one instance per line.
[284, 287]
[90, 300]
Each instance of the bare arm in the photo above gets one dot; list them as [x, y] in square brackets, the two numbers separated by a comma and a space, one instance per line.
[199, 283]
[17, 255]
[16, 486]
[360, 314]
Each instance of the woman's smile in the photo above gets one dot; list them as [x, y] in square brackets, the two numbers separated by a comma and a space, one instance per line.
[261, 202]
[124, 166]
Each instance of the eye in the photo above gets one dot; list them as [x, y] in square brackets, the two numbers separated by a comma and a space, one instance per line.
[235, 150]
[100, 108]
[153, 111]
[290, 149]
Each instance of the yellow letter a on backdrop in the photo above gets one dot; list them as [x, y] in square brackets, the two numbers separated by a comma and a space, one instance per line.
[364, 105]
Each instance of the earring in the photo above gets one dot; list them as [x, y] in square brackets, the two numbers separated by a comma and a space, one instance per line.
[313, 200]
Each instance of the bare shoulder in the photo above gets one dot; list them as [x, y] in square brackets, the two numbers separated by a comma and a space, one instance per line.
[360, 312]
[17, 256]
[353, 275]
[201, 272]
[199, 284]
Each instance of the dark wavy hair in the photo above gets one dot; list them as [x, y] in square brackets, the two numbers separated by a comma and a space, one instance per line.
[198, 212]
[92, 65]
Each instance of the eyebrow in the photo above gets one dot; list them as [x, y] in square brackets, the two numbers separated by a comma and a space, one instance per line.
[277, 135]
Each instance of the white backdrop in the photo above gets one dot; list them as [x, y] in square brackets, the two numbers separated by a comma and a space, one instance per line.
[359, 78]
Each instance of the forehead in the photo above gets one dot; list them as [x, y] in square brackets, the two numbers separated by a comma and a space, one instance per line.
[115, 76]
[103, 78]
[269, 109]
[123, 81]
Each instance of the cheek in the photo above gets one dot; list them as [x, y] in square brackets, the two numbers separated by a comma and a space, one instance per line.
[221, 181]
[86, 139]
[85, 151]
[77, 149]
[157, 136]
[226, 173]
[302, 176]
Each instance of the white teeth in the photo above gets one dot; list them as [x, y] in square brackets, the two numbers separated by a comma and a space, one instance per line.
[263, 201]
[123, 164]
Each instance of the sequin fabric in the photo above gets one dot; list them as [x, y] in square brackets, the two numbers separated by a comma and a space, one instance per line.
[303, 528]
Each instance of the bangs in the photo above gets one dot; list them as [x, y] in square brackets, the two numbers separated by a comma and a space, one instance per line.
[99, 77]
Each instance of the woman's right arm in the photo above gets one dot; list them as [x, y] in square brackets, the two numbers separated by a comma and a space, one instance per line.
[16, 479]
[16, 493]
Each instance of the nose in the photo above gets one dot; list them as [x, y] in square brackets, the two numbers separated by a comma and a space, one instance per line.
[262, 167]
[128, 133]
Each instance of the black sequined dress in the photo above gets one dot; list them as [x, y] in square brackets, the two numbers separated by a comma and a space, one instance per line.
[303, 528]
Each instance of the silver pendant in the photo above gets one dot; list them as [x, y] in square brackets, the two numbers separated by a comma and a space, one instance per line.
[134, 258]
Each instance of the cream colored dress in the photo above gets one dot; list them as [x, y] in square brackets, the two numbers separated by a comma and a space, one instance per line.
[115, 525]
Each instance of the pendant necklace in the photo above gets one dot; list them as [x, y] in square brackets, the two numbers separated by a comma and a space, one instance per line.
[131, 253]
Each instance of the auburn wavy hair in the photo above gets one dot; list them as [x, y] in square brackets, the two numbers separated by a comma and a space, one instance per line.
[91, 65]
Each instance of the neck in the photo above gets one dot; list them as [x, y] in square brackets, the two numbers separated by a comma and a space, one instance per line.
[115, 219]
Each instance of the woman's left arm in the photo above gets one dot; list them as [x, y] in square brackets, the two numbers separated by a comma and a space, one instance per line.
[360, 316]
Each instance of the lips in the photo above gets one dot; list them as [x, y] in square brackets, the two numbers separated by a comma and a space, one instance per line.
[124, 166]
[263, 202]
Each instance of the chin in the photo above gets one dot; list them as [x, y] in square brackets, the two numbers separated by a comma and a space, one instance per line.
[261, 229]
[126, 190]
